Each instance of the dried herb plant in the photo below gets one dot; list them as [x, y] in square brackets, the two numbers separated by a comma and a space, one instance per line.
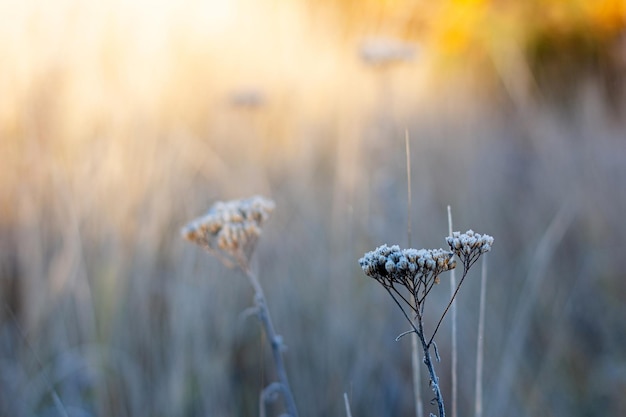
[230, 231]
[409, 275]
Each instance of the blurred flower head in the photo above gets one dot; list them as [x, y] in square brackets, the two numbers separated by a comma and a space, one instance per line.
[248, 98]
[381, 52]
[230, 229]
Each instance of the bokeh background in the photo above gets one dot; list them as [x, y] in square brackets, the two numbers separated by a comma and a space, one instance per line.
[122, 120]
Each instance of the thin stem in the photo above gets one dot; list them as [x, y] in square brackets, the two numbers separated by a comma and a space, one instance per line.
[267, 397]
[454, 364]
[408, 177]
[417, 380]
[56, 400]
[409, 303]
[275, 340]
[401, 335]
[427, 291]
[419, 409]
[419, 330]
[543, 254]
[404, 312]
[347, 404]
[449, 304]
[478, 408]
[431, 370]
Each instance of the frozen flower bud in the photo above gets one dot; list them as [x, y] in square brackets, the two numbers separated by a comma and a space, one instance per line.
[393, 265]
[469, 245]
[430, 264]
[403, 264]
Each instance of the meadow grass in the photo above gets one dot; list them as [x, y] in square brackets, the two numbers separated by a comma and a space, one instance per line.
[118, 126]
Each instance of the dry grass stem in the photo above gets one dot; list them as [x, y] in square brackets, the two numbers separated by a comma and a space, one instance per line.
[415, 366]
[454, 359]
[347, 404]
[478, 407]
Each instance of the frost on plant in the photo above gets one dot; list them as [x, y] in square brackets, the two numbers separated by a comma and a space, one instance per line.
[417, 271]
[230, 230]
[469, 246]
[410, 268]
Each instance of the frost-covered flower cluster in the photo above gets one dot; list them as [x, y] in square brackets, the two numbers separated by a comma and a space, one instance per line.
[232, 227]
[408, 267]
[417, 271]
[469, 246]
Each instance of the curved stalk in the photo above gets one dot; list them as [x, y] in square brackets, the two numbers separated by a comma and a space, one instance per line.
[275, 341]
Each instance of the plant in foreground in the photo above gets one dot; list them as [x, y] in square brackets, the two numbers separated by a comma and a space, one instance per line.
[230, 231]
[417, 271]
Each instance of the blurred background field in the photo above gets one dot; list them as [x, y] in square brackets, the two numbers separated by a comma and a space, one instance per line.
[122, 120]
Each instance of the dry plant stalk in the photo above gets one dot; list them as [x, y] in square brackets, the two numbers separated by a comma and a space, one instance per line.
[453, 338]
[230, 231]
[417, 271]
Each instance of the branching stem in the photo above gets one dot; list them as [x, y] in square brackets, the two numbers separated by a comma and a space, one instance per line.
[465, 269]
[419, 330]
[275, 341]
[434, 380]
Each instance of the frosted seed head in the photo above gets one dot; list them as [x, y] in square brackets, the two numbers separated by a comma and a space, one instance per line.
[411, 255]
[469, 245]
[232, 227]
[403, 264]
[431, 264]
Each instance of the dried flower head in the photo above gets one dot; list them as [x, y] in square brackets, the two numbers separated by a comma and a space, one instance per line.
[248, 98]
[231, 228]
[469, 246]
[408, 267]
[380, 52]
[418, 271]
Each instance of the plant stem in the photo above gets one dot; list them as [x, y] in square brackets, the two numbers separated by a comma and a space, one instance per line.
[347, 404]
[415, 367]
[275, 341]
[449, 304]
[431, 369]
[417, 380]
[478, 408]
[454, 364]
[419, 330]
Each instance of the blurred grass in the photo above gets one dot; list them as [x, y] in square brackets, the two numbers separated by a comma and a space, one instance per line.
[119, 122]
